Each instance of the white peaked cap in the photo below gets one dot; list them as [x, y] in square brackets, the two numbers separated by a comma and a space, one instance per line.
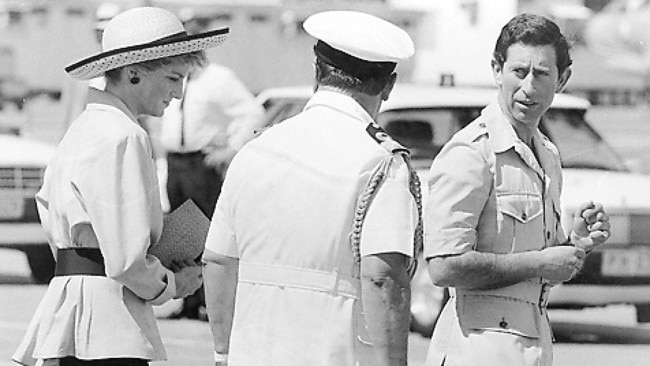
[361, 35]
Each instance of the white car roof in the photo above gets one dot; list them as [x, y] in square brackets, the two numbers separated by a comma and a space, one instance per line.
[430, 96]
[24, 152]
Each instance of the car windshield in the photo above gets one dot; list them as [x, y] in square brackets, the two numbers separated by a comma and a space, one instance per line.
[579, 145]
[426, 130]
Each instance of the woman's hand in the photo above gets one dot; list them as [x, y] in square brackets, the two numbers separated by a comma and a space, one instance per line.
[188, 276]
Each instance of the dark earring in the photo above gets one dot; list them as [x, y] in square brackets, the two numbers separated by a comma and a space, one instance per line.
[134, 80]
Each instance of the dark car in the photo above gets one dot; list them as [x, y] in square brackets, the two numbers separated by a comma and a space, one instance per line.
[22, 163]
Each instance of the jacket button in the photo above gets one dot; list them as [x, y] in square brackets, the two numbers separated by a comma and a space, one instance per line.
[503, 323]
[523, 216]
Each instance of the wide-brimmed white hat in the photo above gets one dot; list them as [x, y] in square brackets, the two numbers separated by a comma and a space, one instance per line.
[143, 34]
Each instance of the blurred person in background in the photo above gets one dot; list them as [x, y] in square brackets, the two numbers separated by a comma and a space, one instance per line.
[201, 133]
[492, 218]
[104, 13]
[75, 92]
[100, 203]
[308, 255]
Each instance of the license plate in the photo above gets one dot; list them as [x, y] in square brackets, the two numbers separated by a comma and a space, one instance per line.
[626, 263]
[11, 207]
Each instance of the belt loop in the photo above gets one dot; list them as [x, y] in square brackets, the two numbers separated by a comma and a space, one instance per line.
[334, 286]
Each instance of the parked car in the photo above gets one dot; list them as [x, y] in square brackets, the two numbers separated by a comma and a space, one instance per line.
[425, 117]
[22, 163]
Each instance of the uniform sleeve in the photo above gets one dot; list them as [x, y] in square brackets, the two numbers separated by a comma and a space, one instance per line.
[392, 216]
[221, 237]
[118, 192]
[459, 185]
[240, 105]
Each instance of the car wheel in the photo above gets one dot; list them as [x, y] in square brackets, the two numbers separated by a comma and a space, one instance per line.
[41, 262]
[643, 313]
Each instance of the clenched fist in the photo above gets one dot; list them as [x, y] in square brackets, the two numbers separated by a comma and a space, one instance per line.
[591, 226]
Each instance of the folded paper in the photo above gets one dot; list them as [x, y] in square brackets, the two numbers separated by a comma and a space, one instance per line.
[183, 235]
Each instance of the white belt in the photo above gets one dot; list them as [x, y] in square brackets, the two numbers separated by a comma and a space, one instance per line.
[302, 278]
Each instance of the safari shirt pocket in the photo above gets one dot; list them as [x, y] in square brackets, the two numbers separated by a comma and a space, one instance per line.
[520, 221]
[495, 314]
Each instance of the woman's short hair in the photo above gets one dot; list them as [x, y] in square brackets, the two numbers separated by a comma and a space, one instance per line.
[534, 30]
[193, 59]
[332, 76]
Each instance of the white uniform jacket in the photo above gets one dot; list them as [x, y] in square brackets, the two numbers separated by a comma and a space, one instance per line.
[286, 212]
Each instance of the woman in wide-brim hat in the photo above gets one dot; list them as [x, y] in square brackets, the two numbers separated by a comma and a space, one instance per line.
[100, 203]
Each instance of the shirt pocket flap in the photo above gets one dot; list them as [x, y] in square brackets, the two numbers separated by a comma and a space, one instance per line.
[499, 315]
[523, 207]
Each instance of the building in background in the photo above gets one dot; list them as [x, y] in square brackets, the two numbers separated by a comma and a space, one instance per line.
[456, 39]
[268, 48]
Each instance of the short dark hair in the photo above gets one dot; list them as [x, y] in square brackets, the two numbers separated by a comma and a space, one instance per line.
[332, 76]
[535, 30]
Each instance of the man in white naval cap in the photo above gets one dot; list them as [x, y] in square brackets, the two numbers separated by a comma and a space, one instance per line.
[308, 257]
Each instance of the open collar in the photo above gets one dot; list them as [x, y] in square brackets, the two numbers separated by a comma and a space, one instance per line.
[503, 138]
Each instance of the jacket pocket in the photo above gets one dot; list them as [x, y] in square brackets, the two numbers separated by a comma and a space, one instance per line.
[498, 315]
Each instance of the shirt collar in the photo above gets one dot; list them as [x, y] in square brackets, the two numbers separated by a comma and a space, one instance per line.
[503, 137]
[502, 134]
[340, 102]
[96, 96]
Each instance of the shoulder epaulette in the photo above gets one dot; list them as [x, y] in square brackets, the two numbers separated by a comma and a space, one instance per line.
[377, 178]
[378, 134]
[477, 130]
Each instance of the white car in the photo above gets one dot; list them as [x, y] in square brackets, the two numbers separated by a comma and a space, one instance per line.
[22, 163]
[425, 117]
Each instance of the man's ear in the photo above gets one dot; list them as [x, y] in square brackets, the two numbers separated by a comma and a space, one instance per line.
[317, 74]
[385, 93]
[563, 80]
[497, 72]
